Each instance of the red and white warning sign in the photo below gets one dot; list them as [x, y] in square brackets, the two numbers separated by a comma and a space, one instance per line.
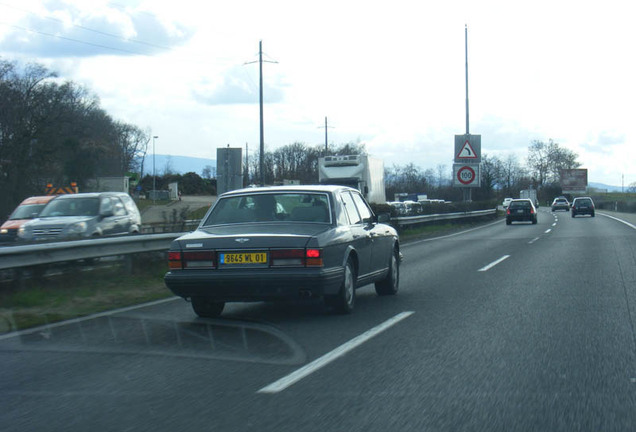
[467, 149]
[467, 152]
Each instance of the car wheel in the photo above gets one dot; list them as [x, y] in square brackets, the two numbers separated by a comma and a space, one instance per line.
[207, 308]
[344, 301]
[573, 214]
[390, 284]
[534, 221]
[508, 221]
[592, 214]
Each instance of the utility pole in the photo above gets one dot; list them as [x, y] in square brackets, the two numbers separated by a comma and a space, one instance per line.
[260, 94]
[326, 127]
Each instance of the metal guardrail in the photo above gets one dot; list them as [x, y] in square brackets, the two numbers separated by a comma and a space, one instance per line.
[411, 220]
[49, 253]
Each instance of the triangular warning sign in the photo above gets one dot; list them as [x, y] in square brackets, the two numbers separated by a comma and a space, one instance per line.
[467, 152]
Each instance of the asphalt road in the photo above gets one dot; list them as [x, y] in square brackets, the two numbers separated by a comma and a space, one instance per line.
[501, 328]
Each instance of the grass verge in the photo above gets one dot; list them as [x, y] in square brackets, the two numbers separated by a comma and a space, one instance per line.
[30, 302]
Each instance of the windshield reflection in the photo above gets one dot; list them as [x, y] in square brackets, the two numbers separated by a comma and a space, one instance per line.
[226, 340]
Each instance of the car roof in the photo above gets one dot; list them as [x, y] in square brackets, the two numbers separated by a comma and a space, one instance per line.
[42, 199]
[290, 188]
[90, 195]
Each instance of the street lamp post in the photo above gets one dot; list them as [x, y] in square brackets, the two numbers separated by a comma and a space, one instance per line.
[154, 176]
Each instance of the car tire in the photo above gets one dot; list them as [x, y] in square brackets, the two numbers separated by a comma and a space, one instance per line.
[391, 283]
[345, 300]
[592, 214]
[206, 308]
[534, 221]
[573, 214]
[508, 222]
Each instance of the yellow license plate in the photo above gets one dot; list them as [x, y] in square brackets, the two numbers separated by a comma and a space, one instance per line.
[243, 258]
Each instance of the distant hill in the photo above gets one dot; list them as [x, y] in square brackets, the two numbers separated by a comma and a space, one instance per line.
[603, 186]
[177, 164]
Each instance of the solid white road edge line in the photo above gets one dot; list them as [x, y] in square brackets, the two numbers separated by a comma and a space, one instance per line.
[320, 362]
[494, 263]
[620, 220]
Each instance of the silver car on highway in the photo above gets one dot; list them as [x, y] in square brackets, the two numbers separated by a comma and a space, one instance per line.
[77, 216]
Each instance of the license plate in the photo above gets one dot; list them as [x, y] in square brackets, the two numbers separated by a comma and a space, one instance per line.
[243, 258]
[519, 211]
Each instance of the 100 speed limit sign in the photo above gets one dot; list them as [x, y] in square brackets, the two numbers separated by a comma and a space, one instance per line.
[466, 175]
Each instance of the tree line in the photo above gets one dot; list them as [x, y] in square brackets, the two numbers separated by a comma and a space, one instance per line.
[55, 131]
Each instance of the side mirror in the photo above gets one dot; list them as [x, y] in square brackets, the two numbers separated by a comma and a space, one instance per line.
[383, 217]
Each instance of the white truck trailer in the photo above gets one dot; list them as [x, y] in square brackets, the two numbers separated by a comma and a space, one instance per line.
[361, 172]
[530, 194]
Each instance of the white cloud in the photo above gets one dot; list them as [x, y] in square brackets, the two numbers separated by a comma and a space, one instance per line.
[388, 74]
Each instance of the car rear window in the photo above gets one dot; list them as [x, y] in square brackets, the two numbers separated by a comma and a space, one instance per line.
[271, 207]
[519, 204]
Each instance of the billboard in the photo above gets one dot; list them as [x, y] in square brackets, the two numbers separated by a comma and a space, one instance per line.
[574, 180]
[229, 169]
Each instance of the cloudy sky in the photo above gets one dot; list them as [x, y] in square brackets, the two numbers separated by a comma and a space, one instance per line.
[387, 74]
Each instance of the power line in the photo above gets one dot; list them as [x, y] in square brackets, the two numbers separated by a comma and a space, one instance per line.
[71, 39]
[103, 33]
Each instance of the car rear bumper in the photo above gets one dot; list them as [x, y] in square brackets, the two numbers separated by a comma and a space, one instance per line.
[256, 284]
[583, 211]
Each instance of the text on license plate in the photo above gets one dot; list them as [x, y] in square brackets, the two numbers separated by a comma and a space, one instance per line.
[519, 211]
[243, 258]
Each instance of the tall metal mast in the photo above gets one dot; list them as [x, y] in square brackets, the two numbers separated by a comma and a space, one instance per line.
[466, 44]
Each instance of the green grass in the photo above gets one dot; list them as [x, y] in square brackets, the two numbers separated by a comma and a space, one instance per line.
[35, 302]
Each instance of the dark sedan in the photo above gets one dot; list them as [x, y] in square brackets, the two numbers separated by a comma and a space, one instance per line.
[285, 242]
[521, 210]
[582, 205]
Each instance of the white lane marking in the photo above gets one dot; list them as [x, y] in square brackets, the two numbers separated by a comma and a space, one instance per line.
[554, 224]
[494, 263]
[620, 220]
[548, 230]
[320, 362]
[85, 318]
[533, 240]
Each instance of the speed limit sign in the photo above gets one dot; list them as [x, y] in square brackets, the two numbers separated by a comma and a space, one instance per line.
[466, 175]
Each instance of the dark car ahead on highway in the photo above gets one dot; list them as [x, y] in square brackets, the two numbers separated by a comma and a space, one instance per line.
[521, 210]
[560, 203]
[285, 242]
[582, 205]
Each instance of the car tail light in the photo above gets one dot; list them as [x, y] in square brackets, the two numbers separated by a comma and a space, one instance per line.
[295, 258]
[314, 258]
[508, 211]
[199, 259]
[531, 210]
[174, 261]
